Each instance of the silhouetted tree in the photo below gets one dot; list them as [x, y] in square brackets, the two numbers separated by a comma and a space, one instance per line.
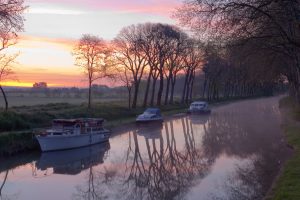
[267, 28]
[11, 22]
[130, 55]
[90, 54]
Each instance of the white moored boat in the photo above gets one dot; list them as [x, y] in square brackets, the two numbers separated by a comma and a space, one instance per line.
[73, 133]
[200, 107]
[150, 115]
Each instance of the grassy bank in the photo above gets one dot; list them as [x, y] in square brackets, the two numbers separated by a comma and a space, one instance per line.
[18, 124]
[16, 142]
[288, 184]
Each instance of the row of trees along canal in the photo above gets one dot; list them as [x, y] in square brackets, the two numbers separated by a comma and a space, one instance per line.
[256, 42]
[242, 48]
[156, 54]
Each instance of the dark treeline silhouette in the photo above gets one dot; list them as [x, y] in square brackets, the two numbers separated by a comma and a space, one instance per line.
[150, 57]
[257, 44]
[232, 73]
[11, 22]
[157, 53]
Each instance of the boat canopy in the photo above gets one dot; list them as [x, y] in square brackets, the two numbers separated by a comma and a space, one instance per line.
[199, 103]
[72, 122]
[152, 111]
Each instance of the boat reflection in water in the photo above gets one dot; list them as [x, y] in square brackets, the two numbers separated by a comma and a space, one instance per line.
[230, 154]
[73, 161]
[220, 156]
[150, 131]
[160, 162]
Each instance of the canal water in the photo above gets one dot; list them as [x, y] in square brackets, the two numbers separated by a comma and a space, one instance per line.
[233, 153]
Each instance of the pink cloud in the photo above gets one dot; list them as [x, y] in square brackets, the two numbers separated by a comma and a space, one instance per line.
[160, 7]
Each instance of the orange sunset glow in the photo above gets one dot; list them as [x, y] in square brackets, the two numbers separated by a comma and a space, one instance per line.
[52, 28]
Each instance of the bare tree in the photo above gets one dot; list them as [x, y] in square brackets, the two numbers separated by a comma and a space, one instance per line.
[7, 63]
[91, 54]
[130, 55]
[174, 64]
[272, 24]
[11, 22]
[126, 78]
[193, 60]
[157, 45]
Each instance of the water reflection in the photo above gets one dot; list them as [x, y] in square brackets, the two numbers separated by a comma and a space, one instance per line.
[232, 154]
[255, 138]
[72, 161]
[161, 170]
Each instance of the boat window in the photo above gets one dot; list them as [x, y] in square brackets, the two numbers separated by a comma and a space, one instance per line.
[151, 111]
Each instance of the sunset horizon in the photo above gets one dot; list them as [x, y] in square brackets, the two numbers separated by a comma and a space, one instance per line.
[52, 28]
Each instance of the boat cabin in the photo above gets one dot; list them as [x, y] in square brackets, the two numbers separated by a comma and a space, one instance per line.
[152, 111]
[76, 126]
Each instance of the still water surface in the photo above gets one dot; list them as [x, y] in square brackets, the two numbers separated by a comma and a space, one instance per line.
[234, 153]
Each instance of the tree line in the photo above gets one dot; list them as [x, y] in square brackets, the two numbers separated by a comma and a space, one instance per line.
[158, 53]
[243, 48]
[152, 52]
[257, 42]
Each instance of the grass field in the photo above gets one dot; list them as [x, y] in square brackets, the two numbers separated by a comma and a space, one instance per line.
[32, 100]
[288, 184]
[19, 124]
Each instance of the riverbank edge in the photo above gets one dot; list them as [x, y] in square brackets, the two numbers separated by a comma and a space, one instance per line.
[15, 142]
[287, 184]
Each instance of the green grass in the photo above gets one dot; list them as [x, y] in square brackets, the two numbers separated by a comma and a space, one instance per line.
[30, 117]
[17, 125]
[288, 184]
[17, 142]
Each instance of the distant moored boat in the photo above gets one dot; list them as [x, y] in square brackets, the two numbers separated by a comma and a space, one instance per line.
[150, 115]
[73, 133]
[200, 107]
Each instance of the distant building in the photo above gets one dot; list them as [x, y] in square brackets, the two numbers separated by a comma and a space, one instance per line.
[40, 85]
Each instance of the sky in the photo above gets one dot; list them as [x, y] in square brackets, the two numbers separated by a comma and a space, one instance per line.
[52, 27]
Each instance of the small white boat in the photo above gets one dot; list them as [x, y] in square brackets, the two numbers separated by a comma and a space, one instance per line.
[200, 107]
[150, 115]
[73, 133]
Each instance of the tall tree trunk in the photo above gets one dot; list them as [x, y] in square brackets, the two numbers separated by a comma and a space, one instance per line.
[173, 82]
[204, 88]
[188, 85]
[161, 87]
[191, 88]
[3, 183]
[135, 95]
[167, 89]
[147, 89]
[90, 94]
[5, 99]
[184, 88]
[129, 98]
[153, 92]
[187, 92]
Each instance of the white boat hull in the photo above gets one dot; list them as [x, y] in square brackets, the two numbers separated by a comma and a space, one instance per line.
[61, 142]
[158, 119]
[194, 111]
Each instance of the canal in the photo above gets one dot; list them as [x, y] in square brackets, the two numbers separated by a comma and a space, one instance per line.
[234, 153]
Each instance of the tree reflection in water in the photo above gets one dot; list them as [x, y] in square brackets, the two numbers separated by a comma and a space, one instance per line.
[3, 182]
[255, 138]
[159, 170]
[163, 163]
